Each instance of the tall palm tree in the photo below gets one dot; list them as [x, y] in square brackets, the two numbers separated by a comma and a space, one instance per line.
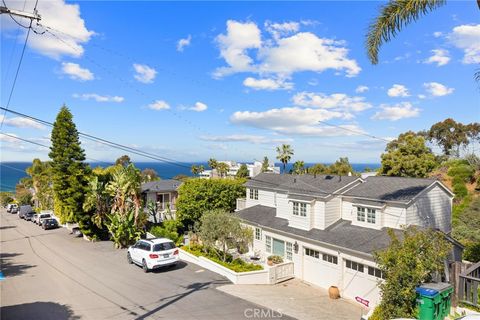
[212, 163]
[299, 167]
[284, 154]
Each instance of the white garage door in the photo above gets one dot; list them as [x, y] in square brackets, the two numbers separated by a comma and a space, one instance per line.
[317, 271]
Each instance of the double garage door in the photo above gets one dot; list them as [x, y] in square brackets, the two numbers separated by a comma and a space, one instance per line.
[318, 271]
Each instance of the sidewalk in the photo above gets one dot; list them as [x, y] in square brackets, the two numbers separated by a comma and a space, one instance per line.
[296, 299]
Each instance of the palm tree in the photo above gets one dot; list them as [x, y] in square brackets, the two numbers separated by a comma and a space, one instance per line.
[222, 169]
[284, 154]
[299, 167]
[395, 15]
[212, 163]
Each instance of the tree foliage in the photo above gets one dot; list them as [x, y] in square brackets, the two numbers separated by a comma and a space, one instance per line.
[340, 167]
[284, 154]
[409, 261]
[243, 171]
[196, 170]
[196, 196]
[123, 160]
[23, 196]
[148, 175]
[449, 135]
[68, 170]
[6, 198]
[407, 156]
[41, 174]
[221, 230]
[222, 169]
[299, 167]
[265, 164]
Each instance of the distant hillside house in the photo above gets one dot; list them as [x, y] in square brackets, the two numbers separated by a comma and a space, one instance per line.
[329, 226]
[233, 167]
[164, 194]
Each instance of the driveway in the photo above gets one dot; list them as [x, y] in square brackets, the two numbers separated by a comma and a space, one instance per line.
[297, 299]
[52, 275]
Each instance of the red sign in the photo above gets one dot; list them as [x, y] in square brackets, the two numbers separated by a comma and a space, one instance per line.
[362, 301]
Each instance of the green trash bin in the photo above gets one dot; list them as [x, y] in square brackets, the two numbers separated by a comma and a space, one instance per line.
[434, 300]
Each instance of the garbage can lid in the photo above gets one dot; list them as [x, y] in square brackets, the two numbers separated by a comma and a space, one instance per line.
[433, 288]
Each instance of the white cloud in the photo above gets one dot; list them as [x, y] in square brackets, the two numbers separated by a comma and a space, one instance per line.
[182, 43]
[398, 90]
[10, 138]
[294, 121]
[281, 29]
[20, 122]
[199, 107]
[257, 139]
[439, 56]
[361, 89]
[467, 38]
[144, 73]
[66, 23]
[437, 34]
[268, 84]
[75, 72]
[338, 101]
[421, 96]
[396, 112]
[437, 89]
[159, 105]
[98, 98]
[281, 55]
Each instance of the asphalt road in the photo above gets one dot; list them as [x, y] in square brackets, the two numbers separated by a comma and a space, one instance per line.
[52, 275]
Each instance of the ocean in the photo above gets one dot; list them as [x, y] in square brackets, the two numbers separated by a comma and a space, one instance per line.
[12, 172]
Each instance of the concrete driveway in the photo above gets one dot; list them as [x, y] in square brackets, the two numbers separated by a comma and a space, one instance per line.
[297, 299]
[52, 275]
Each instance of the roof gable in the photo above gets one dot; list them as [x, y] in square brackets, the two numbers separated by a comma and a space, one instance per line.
[161, 185]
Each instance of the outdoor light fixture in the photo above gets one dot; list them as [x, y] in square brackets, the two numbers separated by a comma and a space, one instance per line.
[295, 247]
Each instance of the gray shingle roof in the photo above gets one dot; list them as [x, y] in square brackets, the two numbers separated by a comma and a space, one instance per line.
[161, 185]
[390, 188]
[341, 234]
[320, 185]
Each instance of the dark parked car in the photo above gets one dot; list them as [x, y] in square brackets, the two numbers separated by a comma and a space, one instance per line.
[50, 224]
[76, 232]
[29, 216]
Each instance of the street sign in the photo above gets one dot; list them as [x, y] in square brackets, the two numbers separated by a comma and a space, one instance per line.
[362, 301]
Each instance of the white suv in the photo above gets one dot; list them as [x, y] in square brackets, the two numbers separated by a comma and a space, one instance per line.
[153, 253]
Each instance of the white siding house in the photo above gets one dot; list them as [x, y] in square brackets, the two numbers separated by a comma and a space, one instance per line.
[329, 226]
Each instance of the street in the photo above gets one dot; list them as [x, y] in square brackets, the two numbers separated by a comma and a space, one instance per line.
[52, 275]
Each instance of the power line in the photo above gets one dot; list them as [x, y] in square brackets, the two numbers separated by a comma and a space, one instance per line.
[106, 142]
[19, 63]
[354, 131]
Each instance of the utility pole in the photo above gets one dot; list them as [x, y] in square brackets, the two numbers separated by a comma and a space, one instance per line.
[22, 14]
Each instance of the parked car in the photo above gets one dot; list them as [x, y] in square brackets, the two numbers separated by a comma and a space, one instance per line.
[12, 206]
[34, 218]
[29, 216]
[24, 210]
[153, 253]
[76, 232]
[50, 223]
[41, 217]
[14, 209]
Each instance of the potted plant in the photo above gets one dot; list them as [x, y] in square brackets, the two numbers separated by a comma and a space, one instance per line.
[271, 260]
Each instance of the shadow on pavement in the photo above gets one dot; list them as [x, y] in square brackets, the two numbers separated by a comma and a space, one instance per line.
[178, 266]
[8, 268]
[7, 227]
[38, 311]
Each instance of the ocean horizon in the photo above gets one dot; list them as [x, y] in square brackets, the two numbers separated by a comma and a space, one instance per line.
[11, 172]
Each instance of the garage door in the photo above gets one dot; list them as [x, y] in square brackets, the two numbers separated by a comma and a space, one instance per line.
[317, 271]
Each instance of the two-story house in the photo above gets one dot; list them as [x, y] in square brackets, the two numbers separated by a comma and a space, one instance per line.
[164, 194]
[329, 226]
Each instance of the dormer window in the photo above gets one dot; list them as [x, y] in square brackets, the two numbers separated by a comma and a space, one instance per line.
[300, 209]
[367, 214]
[254, 194]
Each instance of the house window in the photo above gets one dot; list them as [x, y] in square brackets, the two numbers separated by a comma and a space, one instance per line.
[354, 265]
[376, 272]
[258, 234]
[361, 214]
[330, 258]
[288, 251]
[300, 209]
[268, 244]
[254, 194]
[371, 216]
[312, 253]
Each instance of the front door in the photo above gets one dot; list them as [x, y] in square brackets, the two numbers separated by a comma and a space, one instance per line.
[278, 247]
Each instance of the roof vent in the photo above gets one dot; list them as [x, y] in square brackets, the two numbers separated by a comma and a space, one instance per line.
[294, 180]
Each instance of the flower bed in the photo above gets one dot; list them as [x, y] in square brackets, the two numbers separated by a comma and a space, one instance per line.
[237, 265]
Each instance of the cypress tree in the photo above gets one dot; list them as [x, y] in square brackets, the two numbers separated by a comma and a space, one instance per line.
[69, 171]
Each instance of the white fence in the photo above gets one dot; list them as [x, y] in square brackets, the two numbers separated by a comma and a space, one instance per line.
[270, 275]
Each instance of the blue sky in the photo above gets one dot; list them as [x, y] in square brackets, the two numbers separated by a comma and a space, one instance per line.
[232, 80]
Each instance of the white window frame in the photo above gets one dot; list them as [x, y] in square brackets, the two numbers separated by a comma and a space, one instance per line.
[361, 214]
[356, 266]
[329, 258]
[289, 251]
[258, 234]
[312, 253]
[375, 272]
[268, 244]
[253, 194]
[371, 216]
[299, 209]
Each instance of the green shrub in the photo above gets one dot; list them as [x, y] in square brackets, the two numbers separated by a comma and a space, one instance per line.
[462, 171]
[237, 265]
[460, 190]
[472, 252]
[275, 259]
[168, 229]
